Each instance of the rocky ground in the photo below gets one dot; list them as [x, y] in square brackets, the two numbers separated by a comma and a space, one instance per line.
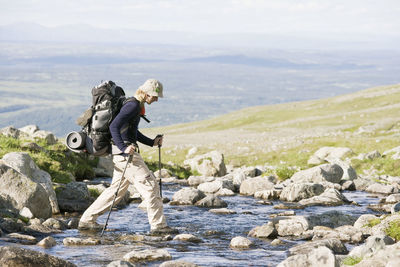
[31, 206]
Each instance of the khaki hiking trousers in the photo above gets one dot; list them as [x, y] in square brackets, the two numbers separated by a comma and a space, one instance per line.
[138, 174]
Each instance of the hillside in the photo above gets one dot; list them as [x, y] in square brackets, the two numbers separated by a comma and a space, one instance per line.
[288, 133]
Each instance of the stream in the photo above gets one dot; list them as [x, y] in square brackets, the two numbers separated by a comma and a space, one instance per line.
[215, 230]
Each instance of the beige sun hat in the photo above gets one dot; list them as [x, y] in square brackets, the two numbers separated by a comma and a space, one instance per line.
[152, 87]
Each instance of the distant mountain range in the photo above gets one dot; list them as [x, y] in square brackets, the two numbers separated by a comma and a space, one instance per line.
[88, 34]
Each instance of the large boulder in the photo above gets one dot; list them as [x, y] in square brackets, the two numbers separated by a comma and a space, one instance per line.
[73, 196]
[187, 196]
[331, 219]
[210, 164]
[372, 245]
[381, 188]
[320, 256]
[252, 185]
[211, 202]
[332, 243]
[295, 192]
[215, 186]
[291, 226]
[24, 164]
[323, 173]
[21, 257]
[330, 197]
[18, 191]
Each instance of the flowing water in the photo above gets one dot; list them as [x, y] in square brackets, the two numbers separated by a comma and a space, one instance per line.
[215, 230]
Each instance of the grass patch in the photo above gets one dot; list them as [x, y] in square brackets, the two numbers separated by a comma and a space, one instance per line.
[373, 222]
[394, 230]
[55, 159]
[93, 192]
[284, 172]
[351, 260]
[176, 170]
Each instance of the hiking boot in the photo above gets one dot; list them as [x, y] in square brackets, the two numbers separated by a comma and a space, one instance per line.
[90, 226]
[164, 231]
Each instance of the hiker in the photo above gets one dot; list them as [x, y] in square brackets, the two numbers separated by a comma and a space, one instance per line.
[125, 134]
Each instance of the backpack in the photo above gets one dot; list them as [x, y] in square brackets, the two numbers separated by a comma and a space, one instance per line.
[95, 136]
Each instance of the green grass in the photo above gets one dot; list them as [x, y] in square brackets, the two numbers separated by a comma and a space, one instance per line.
[373, 222]
[351, 260]
[55, 159]
[394, 230]
[284, 172]
[93, 192]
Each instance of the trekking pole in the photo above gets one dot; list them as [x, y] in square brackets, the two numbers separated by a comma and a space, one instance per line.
[116, 193]
[159, 164]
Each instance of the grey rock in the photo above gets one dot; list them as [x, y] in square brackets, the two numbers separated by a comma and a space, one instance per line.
[328, 154]
[215, 186]
[73, 196]
[320, 256]
[147, 255]
[16, 256]
[29, 129]
[323, 173]
[362, 183]
[393, 198]
[187, 196]
[240, 242]
[298, 191]
[25, 239]
[331, 219]
[49, 137]
[196, 180]
[105, 167]
[75, 241]
[291, 226]
[273, 194]
[381, 188]
[363, 220]
[349, 185]
[252, 185]
[47, 242]
[333, 244]
[211, 202]
[18, 191]
[210, 164]
[13, 132]
[188, 238]
[372, 245]
[330, 197]
[55, 224]
[395, 208]
[264, 231]
[23, 163]
[222, 211]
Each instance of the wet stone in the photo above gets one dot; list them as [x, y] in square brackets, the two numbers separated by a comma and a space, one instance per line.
[25, 239]
[240, 242]
[222, 211]
[187, 238]
[47, 242]
[277, 242]
[74, 241]
[148, 255]
[288, 206]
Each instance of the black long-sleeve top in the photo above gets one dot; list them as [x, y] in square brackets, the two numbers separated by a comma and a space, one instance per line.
[124, 127]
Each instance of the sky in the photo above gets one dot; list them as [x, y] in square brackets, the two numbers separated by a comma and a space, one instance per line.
[301, 17]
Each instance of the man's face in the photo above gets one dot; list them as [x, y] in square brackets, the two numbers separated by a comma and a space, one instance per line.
[151, 99]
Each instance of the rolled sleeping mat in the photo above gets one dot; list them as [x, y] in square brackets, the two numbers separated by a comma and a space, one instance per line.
[76, 141]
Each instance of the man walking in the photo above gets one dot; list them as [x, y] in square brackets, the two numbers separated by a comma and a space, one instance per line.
[125, 134]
